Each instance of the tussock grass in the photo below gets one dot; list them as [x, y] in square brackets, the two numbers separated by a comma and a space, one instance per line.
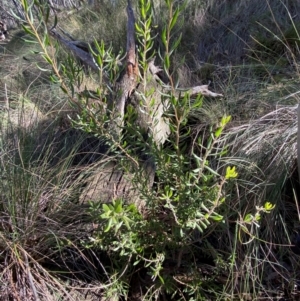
[230, 29]
[42, 225]
[260, 79]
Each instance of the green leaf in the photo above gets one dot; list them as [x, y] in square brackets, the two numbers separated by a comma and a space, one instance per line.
[168, 2]
[231, 173]
[222, 200]
[199, 228]
[28, 30]
[204, 226]
[148, 23]
[174, 19]
[105, 208]
[118, 226]
[216, 217]
[248, 218]
[176, 43]
[218, 132]
[143, 12]
[269, 206]
[46, 40]
[164, 37]
[64, 90]
[225, 120]
[48, 59]
[118, 206]
[25, 5]
[257, 216]
[126, 221]
[138, 29]
[136, 262]
[109, 224]
[105, 215]
[211, 170]
[161, 279]
[204, 207]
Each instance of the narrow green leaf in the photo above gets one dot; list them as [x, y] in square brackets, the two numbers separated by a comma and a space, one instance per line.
[148, 23]
[176, 43]
[248, 218]
[231, 173]
[48, 59]
[205, 208]
[28, 30]
[118, 206]
[64, 90]
[126, 222]
[105, 207]
[174, 19]
[218, 132]
[143, 13]
[211, 170]
[168, 2]
[30, 41]
[15, 16]
[161, 279]
[138, 29]
[118, 226]
[42, 69]
[30, 14]
[164, 37]
[167, 62]
[217, 218]
[25, 5]
[225, 120]
[46, 39]
[109, 224]
[148, 6]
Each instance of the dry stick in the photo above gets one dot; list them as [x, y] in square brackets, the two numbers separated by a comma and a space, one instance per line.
[33, 288]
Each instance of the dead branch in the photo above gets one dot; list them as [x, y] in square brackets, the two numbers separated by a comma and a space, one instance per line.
[204, 91]
[128, 81]
[157, 72]
[79, 49]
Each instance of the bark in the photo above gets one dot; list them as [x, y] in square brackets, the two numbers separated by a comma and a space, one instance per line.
[128, 81]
